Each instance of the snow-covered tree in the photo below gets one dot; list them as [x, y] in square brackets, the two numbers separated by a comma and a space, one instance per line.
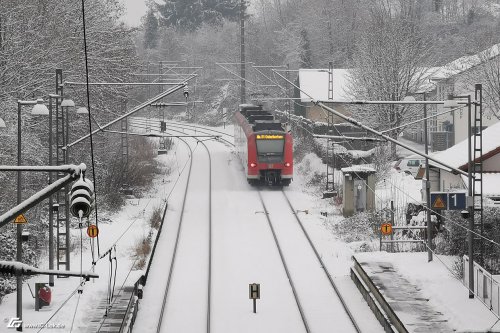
[390, 55]
[150, 30]
[189, 15]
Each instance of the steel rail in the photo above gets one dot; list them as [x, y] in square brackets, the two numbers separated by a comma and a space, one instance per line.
[209, 289]
[295, 295]
[188, 125]
[318, 256]
[174, 255]
[156, 126]
[172, 263]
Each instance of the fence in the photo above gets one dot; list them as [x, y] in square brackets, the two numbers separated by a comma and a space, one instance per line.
[486, 287]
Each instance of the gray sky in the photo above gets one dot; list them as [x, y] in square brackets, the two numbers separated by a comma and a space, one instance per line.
[135, 10]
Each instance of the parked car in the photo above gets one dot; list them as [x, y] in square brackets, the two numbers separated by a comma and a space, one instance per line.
[410, 164]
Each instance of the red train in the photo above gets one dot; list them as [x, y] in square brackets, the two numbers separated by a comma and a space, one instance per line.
[264, 146]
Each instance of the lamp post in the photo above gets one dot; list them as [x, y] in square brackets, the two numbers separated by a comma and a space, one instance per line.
[66, 104]
[39, 108]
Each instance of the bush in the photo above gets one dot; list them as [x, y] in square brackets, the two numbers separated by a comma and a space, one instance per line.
[453, 241]
[155, 219]
[141, 252]
[359, 227]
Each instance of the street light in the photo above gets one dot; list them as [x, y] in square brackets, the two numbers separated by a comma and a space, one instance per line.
[82, 110]
[38, 108]
[66, 102]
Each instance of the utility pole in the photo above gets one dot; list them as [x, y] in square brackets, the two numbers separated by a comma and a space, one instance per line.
[427, 187]
[242, 51]
[470, 200]
[19, 227]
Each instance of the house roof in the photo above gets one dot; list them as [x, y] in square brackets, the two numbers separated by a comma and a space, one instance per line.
[491, 184]
[358, 169]
[457, 156]
[465, 63]
[315, 83]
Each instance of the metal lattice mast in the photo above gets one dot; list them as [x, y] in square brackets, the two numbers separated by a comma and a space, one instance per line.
[288, 95]
[242, 52]
[330, 143]
[124, 141]
[62, 214]
[477, 173]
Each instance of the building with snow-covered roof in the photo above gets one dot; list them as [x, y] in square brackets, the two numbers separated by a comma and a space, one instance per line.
[443, 179]
[314, 83]
[458, 78]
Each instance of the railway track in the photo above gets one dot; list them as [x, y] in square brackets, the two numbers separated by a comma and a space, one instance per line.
[162, 324]
[175, 126]
[302, 273]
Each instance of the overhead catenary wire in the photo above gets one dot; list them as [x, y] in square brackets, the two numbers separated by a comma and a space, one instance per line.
[137, 219]
[80, 285]
[437, 212]
[90, 121]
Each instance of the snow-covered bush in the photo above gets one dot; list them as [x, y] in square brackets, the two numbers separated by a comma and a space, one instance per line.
[453, 241]
[312, 170]
[359, 227]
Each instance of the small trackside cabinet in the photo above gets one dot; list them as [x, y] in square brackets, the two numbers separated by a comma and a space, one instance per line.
[358, 186]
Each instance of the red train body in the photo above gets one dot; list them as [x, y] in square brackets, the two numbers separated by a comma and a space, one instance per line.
[264, 146]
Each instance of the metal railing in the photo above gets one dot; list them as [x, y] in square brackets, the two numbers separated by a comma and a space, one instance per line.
[486, 287]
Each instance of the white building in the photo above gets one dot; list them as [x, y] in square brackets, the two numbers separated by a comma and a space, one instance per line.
[444, 180]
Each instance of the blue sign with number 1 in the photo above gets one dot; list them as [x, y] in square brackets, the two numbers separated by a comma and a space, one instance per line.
[456, 201]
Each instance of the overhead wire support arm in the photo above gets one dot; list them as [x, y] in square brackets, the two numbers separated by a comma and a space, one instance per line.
[364, 138]
[371, 130]
[235, 74]
[124, 83]
[18, 268]
[134, 110]
[425, 118]
[42, 194]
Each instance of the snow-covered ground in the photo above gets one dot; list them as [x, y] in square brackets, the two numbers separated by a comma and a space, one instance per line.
[445, 293]
[243, 252]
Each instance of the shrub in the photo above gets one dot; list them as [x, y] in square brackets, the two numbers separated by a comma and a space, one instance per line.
[155, 219]
[141, 251]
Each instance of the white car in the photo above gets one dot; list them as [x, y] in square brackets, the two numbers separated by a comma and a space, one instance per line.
[410, 164]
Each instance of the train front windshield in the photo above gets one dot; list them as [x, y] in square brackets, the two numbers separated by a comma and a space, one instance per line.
[270, 150]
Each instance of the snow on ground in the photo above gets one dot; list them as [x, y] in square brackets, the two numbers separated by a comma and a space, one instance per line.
[243, 251]
[445, 293]
[131, 224]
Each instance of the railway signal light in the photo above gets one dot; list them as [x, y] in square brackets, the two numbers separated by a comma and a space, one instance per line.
[82, 198]
[186, 92]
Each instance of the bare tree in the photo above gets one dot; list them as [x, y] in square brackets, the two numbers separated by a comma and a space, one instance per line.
[388, 65]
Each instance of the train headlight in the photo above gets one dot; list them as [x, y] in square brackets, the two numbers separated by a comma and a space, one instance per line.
[253, 165]
[287, 164]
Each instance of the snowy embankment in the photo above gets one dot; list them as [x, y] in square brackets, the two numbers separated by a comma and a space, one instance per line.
[122, 234]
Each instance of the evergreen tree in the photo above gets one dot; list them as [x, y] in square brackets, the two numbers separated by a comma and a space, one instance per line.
[150, 31]
[189, 15]
[306, 53]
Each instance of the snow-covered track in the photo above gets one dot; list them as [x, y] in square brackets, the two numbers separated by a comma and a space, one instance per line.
[318, 299]
[285, 266]
[155, 124]
[163, 324]
[323, 266]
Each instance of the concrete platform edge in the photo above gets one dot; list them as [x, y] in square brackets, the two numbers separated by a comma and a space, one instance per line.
[376, 301]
